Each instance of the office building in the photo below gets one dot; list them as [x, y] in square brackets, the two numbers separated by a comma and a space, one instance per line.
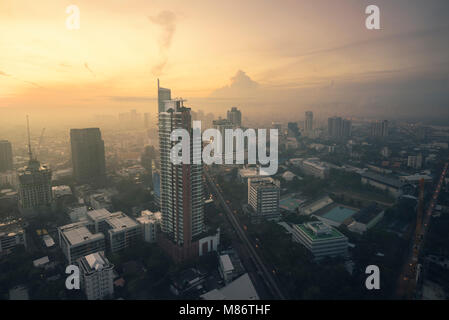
[97, 276]
[263, 198]
[415, 162]
[235, 117]
[320, 239]
[77, 241]
[314, 167]
[339, 128]
[6, 163]
[181, 188]
[88, 157]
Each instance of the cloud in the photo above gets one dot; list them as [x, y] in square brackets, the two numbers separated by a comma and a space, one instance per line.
[167, 21]
[241, 86]
[131, 98]
[4, 74]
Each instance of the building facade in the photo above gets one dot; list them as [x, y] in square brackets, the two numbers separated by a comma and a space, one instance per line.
[88, 155]
[263, 198]
[97, 276]
[181, 188]
[6, 163]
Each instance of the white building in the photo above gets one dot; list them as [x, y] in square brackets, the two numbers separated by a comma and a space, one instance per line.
[263, 197]
[149, 222]
[120, 230]
[320, 239]
[226, 268]
[97, 276]
[77, 241]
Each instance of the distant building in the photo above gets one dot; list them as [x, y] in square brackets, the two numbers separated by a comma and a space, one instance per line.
[149, 221]
[6, 163]
[97, 276]
[35, 191]
[293, 130]
[309, 124]
[12, 234]
[320, 239]
[391, 185]
[314, 168]
[88, 155]
[77, 241]
[235, 117]
[379, 129]
[415, 162]
[263, 197]
[339, 128]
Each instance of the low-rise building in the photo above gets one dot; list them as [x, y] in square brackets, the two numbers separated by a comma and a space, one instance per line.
[77, 241]
[226, 267]
[366, 218]
[12, 234]
[320, 239]
[389, 184]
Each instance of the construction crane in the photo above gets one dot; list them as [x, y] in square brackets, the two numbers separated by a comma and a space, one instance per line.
[41, 138]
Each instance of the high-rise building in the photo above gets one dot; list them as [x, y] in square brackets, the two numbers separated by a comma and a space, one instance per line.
[163, 95]
[235, 117]
[35, 191]
[379, 129]
[308, 128]
[88, 158]
[147, 120]
[293, 130]
[182, 194]
[263, 197]
[97, 276]
[5, 156]
[339, 128]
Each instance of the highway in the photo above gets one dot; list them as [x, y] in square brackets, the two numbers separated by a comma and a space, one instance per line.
[262, 270]
[407, 283]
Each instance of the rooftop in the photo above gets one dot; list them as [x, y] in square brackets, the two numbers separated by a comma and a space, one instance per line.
[389, 181]
[318, 230]
[226, 263]
[77, 233]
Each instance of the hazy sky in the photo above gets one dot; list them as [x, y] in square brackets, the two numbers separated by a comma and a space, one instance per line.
[264, 56]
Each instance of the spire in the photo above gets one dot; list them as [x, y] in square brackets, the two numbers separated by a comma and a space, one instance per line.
[29, 140]
[157, 83]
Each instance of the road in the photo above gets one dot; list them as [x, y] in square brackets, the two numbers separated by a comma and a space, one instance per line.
[407, 286]
[262, 270]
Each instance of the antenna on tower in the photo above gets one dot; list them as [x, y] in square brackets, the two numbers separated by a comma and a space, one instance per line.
[29, 140]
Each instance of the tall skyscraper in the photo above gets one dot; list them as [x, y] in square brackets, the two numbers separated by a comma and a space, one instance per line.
[88, 157]
[5, 156]
[309, 123]
[235, 116]
[163, 95]
[182, 195]
[34, 185]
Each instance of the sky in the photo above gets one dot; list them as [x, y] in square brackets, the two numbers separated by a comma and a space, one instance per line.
[273, 59]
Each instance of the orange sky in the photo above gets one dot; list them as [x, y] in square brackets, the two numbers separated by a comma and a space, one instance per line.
[200, 45]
